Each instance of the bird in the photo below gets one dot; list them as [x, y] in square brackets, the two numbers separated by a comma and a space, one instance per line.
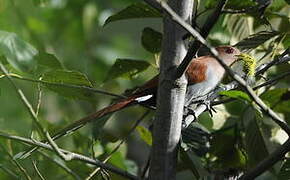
[203, 75]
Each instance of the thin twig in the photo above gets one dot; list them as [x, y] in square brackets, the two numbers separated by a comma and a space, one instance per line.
[269, 161]
[17, 164]
[33, 115]
[8, 171]
[235, 76]
[64, 85]
[92, 174]
[74, 156]
[146, 167]
[272, 81]
[38, 99]
[284, 57]
[61, 165]
[37, 170]
[233, 11]
[210, 22]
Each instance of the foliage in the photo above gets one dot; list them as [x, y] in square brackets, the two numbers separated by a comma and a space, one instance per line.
[60, 52]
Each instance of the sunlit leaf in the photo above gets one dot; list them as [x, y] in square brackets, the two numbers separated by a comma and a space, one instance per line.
[151, 40]
[126, 68]
[131, 167]
[238, 27]
[98, 148]
[19, 53]
[68, 78]
[236, 94]
[136, 10]
[256, 40]
[145, 135]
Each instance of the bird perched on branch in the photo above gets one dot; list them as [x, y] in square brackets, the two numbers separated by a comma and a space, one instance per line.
[203, 75]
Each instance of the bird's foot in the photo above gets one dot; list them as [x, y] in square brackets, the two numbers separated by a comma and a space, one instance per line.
[209, 107]
[187, 111]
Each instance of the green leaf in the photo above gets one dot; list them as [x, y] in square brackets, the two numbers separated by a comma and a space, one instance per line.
[136, 10]
[233, 4]
[145, 134]
[278, 99]
[222, 142]
[284, 173]
[238, 27]
[40, 2]
[283, 107]
[224, 148]
[286, 41]
[151, 40]
[48, 61]
[278, 5]
[64, 77]
[196, 137]
[256, 40]
[117, 158]
[273, 96]
[236, 94]
[194, 163]
[97, 129]
[131, 167]
[126, 68]
[19, 53]
[255, 144]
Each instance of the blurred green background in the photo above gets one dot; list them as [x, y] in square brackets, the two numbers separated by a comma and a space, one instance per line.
[70, 36]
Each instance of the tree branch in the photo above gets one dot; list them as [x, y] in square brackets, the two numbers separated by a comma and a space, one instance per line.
[95, 171]
[171, 94]
[235, 76]
[284, 57]
[93, 90]
[74, 156]
[210, 22]
[61, 165]
[268, 162]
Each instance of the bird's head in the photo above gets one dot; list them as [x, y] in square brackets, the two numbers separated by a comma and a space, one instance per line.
[228, 54]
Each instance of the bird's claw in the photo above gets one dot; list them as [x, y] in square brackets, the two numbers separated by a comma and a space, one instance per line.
[209, 107]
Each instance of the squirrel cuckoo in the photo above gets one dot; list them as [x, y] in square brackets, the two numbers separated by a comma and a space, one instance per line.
[203, 75]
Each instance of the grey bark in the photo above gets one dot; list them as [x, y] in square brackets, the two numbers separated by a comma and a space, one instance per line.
[171, 94]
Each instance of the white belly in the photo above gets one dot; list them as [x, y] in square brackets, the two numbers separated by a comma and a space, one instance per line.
[198, 90]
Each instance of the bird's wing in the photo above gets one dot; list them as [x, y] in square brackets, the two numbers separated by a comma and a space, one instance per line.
[196, 71]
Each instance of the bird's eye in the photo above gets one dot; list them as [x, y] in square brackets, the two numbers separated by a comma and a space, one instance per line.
[229, 50]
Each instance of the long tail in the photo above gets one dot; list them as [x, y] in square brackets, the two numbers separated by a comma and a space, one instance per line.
[96, 115]
[149, 88]
[80, 123]
[144, 91]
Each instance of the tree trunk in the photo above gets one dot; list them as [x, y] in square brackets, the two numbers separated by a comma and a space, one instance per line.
[171, 94]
